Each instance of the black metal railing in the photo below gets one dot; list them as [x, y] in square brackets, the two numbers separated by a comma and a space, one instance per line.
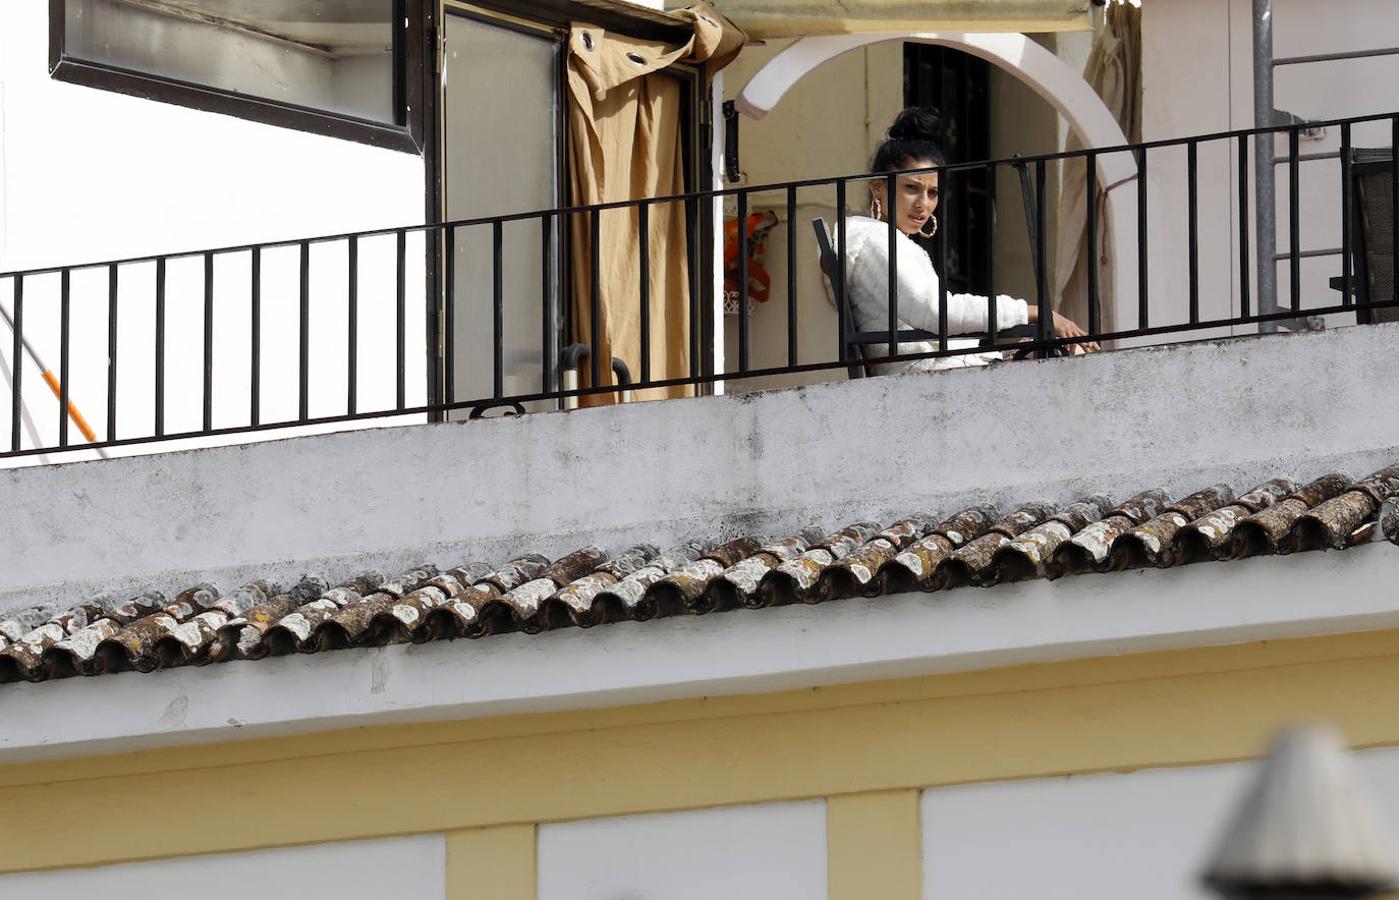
[319, 331]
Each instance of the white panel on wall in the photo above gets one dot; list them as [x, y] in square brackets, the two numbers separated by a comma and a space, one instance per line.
[1095, 837]
[411, 868]
[773, 851]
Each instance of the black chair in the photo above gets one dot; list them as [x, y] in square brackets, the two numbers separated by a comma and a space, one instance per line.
[855, 340]
[1372, 234]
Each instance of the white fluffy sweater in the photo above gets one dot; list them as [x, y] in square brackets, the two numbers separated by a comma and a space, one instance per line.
[867, 281]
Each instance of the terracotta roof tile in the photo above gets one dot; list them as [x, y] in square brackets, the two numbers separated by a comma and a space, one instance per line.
[976, 546]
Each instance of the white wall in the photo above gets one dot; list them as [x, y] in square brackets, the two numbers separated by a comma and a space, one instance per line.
[409, 868]
[1096, 837]
[89, 175]
[771, 851]
[1198, 78]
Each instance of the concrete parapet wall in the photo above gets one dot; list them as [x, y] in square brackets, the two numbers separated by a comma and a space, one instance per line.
[1178, 417]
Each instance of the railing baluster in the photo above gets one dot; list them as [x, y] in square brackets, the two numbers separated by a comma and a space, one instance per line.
[1142, 242]
[208, 342]
[400, 320]
[1192, 175]
[304, 353]
[643, 228]
[449, 316]
[1243, 226]
[1090, 193]
[1394, 202]
[891, 190]
[498, 307]
[352, 328]
[112, 287]
[839, 274]
[595, 299]
[792, 347]
[547, 345]
[1294, 217]
[991, 313]
[160, 347]
[692, 231]
[1046, 310]
[742, 282]
[1346, 286]
[255, 363]
[65, 300]
[943, 177]
[17, 365]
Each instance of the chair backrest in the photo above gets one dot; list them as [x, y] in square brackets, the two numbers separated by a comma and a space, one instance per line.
[1372, 173]
[830, 269]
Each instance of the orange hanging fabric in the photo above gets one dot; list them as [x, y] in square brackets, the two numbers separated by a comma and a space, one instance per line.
[759, 281]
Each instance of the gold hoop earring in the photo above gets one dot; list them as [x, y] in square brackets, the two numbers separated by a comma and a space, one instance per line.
[876, 208]
[934, 220]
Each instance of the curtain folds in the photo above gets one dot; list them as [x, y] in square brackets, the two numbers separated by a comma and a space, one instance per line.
[1114, 71]
[626, 142]
[804, 18]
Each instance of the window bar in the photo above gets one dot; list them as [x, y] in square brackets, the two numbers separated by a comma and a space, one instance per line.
[742, 282]
[1090, 193]
[692, 264]
[991, 313]
[498, 307]
[1192, 165]
[304, 353]
[401, 320]
[546, 294]
[891, 188]
[1142, 272]
[1346, 285]
[595, 299]
[16, 369]
[942, 274]
[643, 226]
[352, 329]
[1243, 226]
[1046, 312]
[208, 341]
[160, 347]
[449, 317]
[65, 303]
[839, 273]
[791, 276]
[1394, 195]
[255, 367]
[1294, 218]
[112, 285]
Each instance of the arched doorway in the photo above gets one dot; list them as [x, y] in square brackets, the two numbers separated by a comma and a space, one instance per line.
[1046, 74]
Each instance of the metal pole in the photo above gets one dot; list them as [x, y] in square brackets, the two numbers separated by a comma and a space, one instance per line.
[1265, 184]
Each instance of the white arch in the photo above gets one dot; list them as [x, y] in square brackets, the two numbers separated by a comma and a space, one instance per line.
[1045, 73]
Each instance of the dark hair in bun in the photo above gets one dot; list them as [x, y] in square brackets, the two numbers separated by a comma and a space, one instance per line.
[915, 137]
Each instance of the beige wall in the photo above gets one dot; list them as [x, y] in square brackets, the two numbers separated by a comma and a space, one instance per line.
[830, 124]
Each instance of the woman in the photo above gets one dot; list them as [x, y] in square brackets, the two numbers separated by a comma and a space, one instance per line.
[913, 144]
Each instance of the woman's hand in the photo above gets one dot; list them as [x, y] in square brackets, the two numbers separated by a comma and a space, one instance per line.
[1064, 327]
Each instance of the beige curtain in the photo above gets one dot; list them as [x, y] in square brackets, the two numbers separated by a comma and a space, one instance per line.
[625, 143]
[1114, 71]
[801, 18]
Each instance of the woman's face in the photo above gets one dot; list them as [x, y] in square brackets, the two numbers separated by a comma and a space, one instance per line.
[916, 197]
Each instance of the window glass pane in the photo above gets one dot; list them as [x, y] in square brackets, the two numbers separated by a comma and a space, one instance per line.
[332, 56]
[500, 108]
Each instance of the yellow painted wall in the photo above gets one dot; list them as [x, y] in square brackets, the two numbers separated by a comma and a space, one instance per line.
[868, 747]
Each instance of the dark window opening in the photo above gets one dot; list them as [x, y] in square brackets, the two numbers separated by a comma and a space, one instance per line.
[958, 84]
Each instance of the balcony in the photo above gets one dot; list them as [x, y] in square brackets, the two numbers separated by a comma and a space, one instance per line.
[531, 312]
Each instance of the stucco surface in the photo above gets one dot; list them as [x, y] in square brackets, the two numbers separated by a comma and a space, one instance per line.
[1237, 411]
